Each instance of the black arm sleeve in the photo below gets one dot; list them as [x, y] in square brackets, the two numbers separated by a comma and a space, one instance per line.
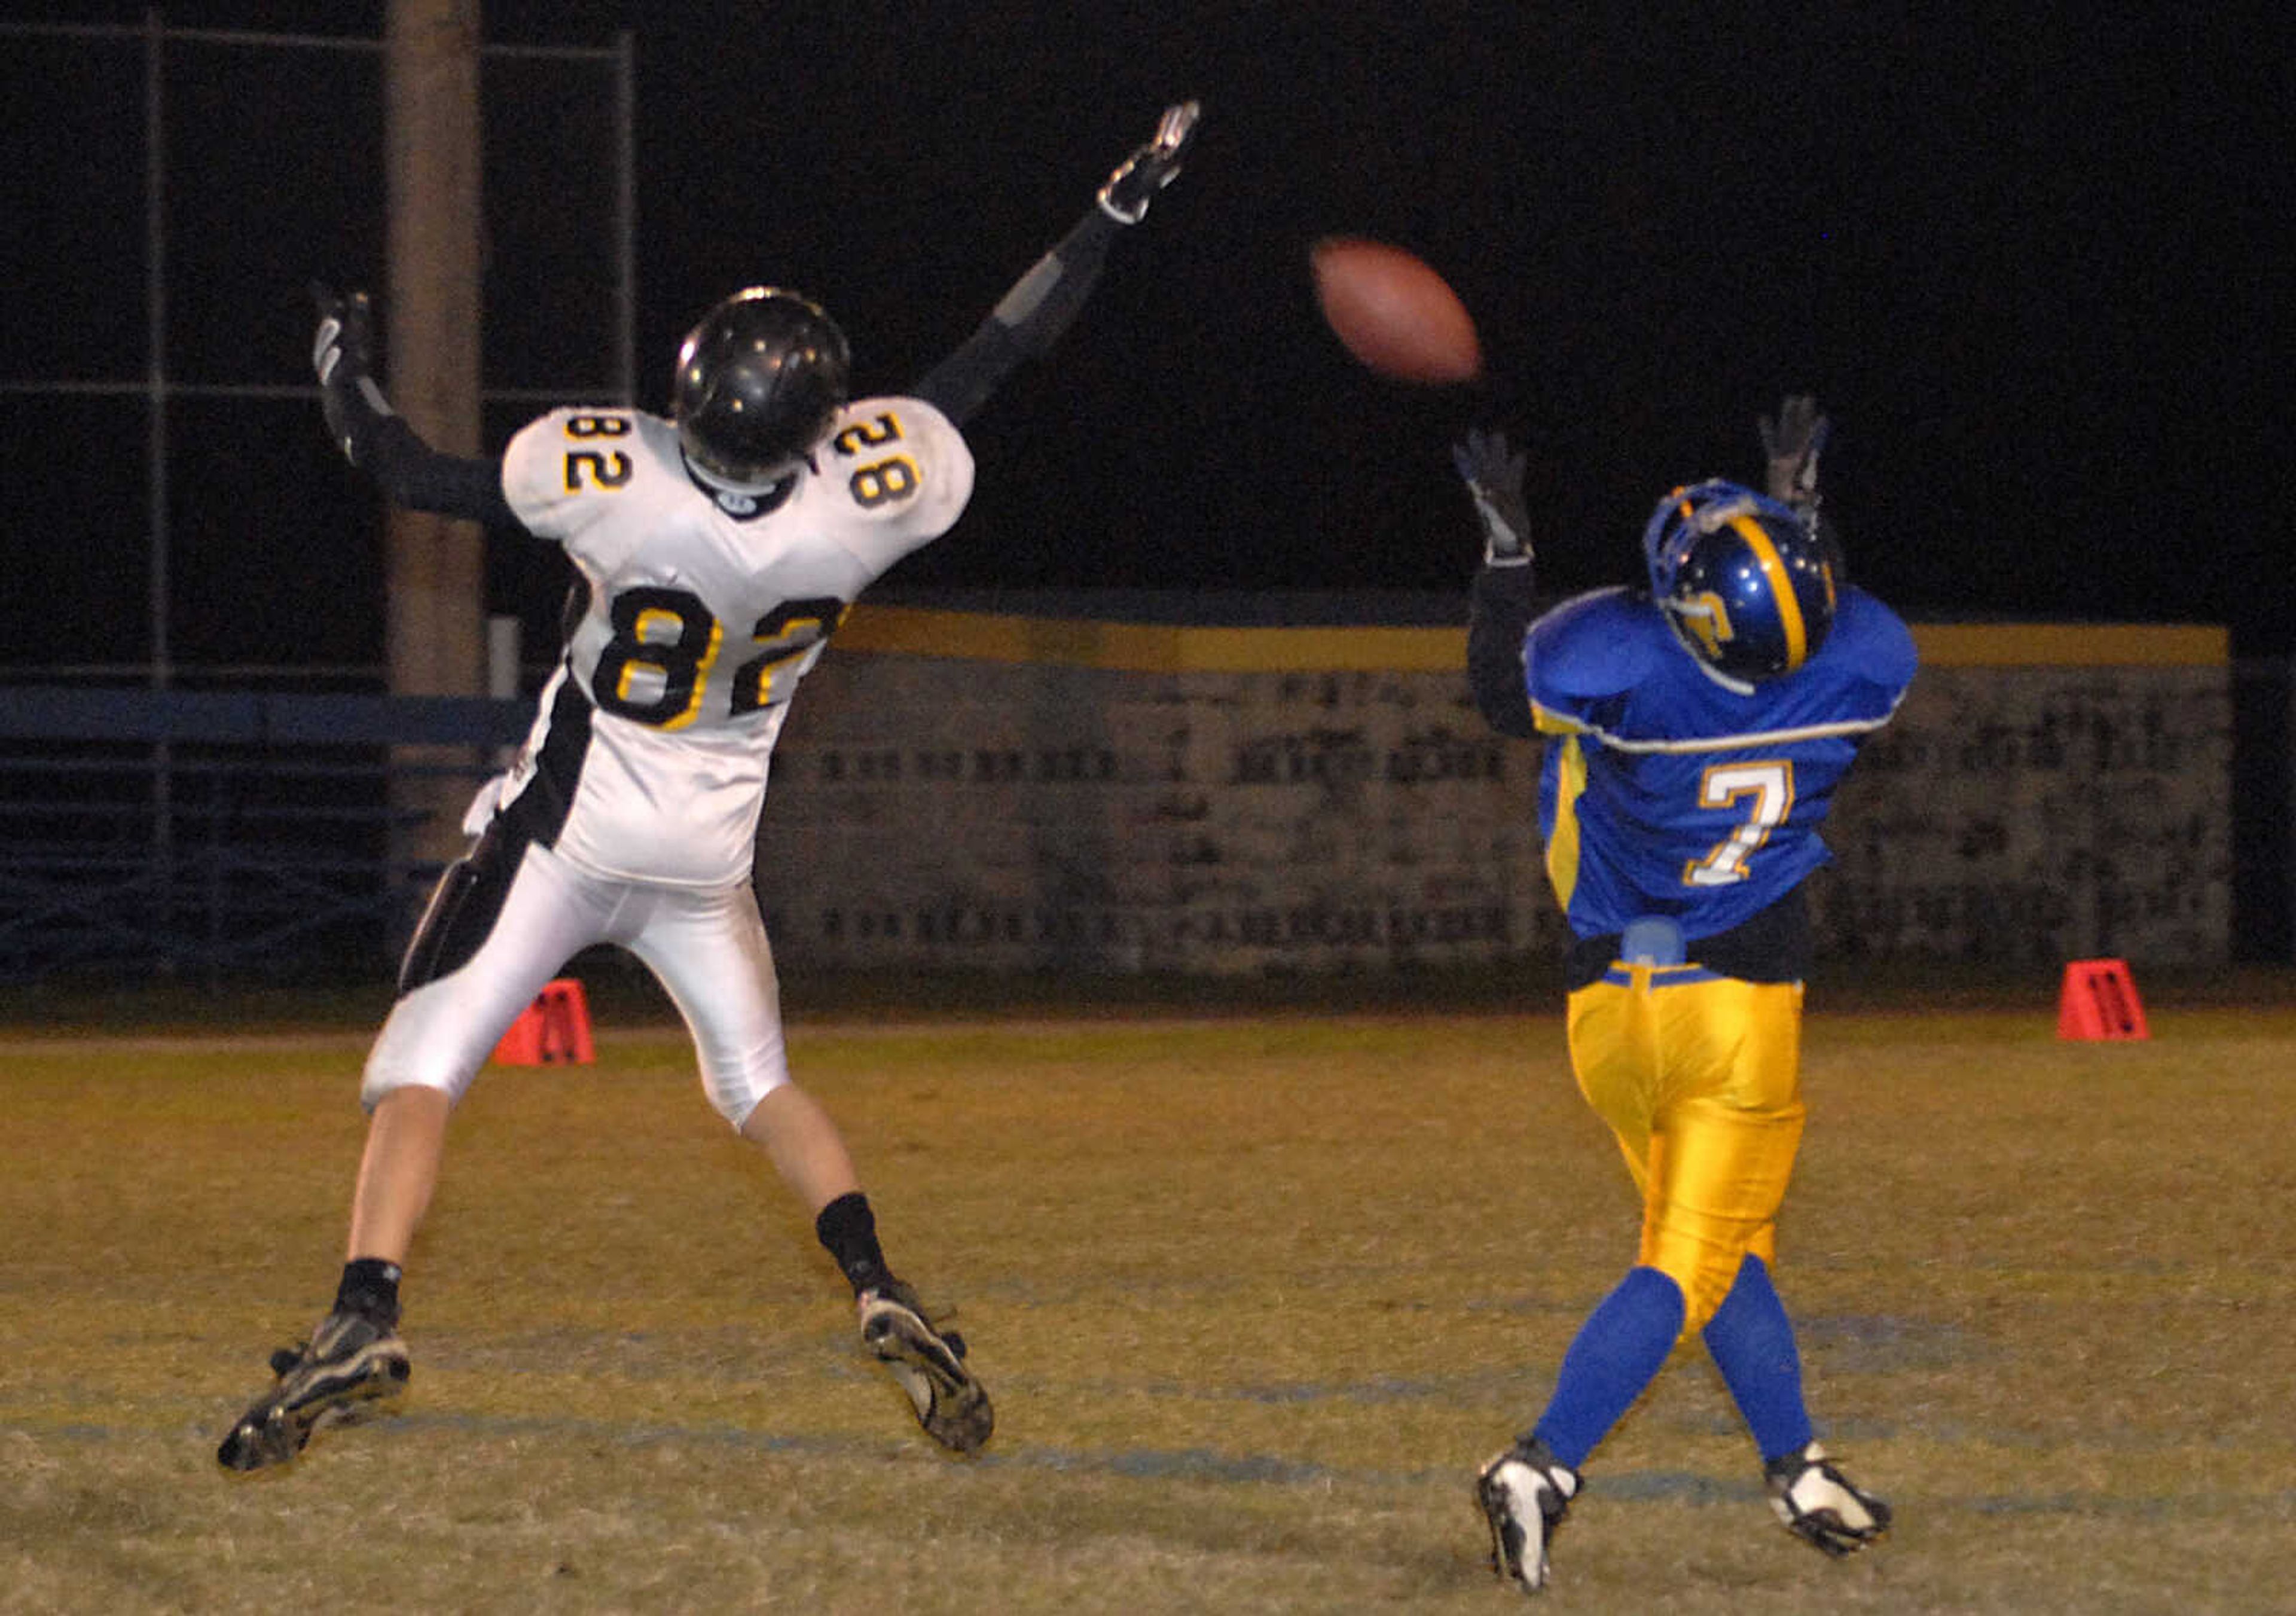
[411, 474]
[1025, 321]
[1500, 610]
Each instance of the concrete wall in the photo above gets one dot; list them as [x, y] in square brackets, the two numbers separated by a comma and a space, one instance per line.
[965, 792]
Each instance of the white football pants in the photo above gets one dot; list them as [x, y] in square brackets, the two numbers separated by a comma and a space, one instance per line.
[707, 948]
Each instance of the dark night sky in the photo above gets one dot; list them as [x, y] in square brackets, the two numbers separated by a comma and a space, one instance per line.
[2024, 264]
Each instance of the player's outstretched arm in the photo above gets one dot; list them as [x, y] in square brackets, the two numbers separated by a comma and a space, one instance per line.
[1501, 605]
[374, 438]
[1043, 303]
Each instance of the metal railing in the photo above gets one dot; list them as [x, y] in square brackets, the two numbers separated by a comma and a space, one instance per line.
[207, 835]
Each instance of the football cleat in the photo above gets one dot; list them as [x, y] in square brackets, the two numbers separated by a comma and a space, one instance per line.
[1524, 1492]
[928, 1364]
[1817, 1504]
[349, 1360]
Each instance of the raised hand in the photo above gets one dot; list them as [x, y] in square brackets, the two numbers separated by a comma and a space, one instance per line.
[342, 354]
[1493, 474]
[1126, 196]
[1791, 441]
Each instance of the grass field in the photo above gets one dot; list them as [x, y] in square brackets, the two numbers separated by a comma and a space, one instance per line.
[1255, 1292]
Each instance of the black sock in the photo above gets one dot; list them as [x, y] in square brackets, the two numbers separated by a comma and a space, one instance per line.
[848, 1229]
[370, 1286]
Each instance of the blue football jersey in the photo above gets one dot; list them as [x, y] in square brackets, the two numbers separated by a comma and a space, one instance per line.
[1664, 793]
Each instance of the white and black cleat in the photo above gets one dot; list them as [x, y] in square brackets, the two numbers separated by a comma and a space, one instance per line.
[1525, 1492]
[928, 1364]
[1819, 1505]
[349, 1362]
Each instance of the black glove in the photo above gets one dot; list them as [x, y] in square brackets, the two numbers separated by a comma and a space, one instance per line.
[342, 353]
[1125, 198]
[1494, 478]
[1790, 443]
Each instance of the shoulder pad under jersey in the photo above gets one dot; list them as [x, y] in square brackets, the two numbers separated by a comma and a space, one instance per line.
[1868, 634]
[1595, 644]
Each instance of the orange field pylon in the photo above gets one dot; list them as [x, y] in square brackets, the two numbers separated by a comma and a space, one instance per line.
[2099, 1001]
[555, 1027]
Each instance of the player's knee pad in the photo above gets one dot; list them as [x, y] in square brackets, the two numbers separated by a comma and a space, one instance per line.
[434, 1037]
[408, 1054]
[380, 1082]
[1705, 1277]
[736, 1090]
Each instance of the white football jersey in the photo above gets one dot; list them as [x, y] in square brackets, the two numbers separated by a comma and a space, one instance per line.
[703, 615]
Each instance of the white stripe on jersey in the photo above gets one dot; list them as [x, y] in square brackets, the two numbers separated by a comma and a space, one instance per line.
[1564, 724]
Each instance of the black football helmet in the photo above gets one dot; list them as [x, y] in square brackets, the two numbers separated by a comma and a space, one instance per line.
[758, 381]
[1749, 589]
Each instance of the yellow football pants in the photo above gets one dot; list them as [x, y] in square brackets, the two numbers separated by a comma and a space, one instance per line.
[1700, 1077]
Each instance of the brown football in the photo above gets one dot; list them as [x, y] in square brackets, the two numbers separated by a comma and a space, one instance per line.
[1394, 312]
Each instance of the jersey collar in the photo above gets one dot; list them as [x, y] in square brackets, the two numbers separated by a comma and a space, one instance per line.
[741, 504]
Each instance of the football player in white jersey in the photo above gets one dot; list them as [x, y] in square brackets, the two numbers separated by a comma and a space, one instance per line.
[720, 545]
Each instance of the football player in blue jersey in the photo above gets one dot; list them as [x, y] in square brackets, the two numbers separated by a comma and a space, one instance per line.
[1695, 732]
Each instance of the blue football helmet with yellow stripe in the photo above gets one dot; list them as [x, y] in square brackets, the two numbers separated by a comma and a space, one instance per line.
[1748, 589]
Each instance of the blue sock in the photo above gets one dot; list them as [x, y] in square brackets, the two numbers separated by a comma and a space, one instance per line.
[1616, 1353]
[1752, 1344]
